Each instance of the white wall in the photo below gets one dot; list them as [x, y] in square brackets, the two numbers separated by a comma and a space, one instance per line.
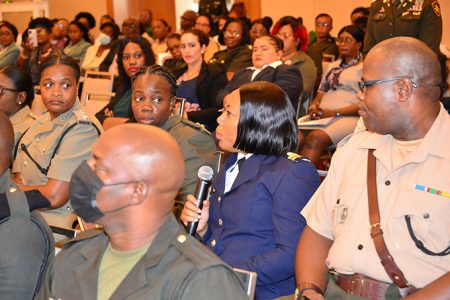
[339, 9]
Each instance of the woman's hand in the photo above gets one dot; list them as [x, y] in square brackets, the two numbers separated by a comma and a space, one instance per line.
[322, 113]
[191, 213]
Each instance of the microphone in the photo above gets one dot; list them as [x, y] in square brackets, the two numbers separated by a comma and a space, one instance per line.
[205, 175]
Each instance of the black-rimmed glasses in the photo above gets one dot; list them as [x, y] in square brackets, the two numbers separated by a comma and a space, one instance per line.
[367, 83]
[3, 89]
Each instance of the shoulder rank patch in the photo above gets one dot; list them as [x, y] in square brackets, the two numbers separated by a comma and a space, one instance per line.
[295, 157]
[436, 8]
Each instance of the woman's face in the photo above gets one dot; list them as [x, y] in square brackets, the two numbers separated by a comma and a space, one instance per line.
[133, 59]
[287, 35]
[10, 99]
[160, 30]
[191, 51]
[232, 35]
[109, 31]
[264, 52]
[58, 89]
[257, 31]
[6, 36]
[151, 100]
[228, 121]
[75, 34]
[42, 35]
[348, 46]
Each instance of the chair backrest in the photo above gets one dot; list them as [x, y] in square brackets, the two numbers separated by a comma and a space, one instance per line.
[248, 279]
[96, 86]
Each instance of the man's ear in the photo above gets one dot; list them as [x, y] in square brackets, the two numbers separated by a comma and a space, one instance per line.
[404, 88]
[140, 193]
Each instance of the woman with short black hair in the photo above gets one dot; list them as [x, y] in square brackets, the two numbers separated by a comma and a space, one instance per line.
[252, 220]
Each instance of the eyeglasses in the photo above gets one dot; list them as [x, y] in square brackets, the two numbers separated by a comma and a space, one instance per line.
[256, 31]
[3, 89]
[363, 85]
[347, 40]
[324, 24]
[232, 33]
[131, 25]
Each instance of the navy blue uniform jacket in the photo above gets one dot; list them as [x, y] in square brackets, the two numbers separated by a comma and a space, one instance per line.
[256, 225]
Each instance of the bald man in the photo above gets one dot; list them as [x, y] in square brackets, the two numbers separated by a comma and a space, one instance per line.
[407, 145]
[26, 242]
[143, 252]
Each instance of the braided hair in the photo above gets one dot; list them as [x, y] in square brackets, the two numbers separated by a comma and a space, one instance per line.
[162, 72]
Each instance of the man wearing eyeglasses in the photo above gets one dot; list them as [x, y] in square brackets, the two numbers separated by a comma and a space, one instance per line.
[378, 225]
[324, 43]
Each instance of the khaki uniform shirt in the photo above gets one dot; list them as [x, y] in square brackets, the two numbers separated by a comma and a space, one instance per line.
[198, 149]
[21, 121]
[339, 208]
[420, 19]
[176, 266]
[42, 138]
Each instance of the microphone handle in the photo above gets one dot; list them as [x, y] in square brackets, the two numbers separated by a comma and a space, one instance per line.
[201, 193]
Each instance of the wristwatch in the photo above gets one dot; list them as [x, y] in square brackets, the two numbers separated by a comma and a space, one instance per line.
[304, 286]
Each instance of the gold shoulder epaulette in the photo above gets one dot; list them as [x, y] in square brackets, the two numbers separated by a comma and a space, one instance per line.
[295, 157]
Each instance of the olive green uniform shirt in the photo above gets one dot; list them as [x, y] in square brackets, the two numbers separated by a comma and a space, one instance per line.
[21, 121]
[198, 149]
[176, 266]
[235, 59]
[420, 19]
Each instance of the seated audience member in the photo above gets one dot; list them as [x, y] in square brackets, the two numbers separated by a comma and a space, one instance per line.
[252, 220]
[133, 177]
[358, 13]
[95, 54]
[406, 150]
[175, 63]
[160, 31]
[145, 22]
[205, 23]
[323, 48]
[239, 11]
[132, 54]
[16, 96]
[295, 39]
[58, 37]
[9, 51]
[187, 20]
[107, 19]
[267, 66]
[78, 41]
[238, 53]
[196, 143]
[88, 20]
[27, 244]
[337, 95]
[51, 149]
[130, 29]
[199, 83]
[258, 28]
[31, 61]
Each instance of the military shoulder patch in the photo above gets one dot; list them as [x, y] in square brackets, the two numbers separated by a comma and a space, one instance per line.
[295, 157]
[436, 8]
